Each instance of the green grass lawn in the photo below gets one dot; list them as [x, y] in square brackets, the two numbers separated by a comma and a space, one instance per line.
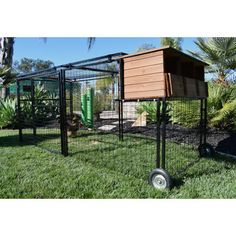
[99, 166]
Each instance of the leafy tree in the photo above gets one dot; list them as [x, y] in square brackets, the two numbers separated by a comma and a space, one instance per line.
[30, 65]
[104, 85]
[220, 54]
[6, 55]
[173, 42]
[144, 47]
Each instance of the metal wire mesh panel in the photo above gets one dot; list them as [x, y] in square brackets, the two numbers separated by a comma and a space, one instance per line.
[183, 123]
[39, 111]
[80, 110]
[93, 123]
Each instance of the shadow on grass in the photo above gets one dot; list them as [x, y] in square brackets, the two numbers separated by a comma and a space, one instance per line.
[28, 139]
[227, 145]
[178, 179]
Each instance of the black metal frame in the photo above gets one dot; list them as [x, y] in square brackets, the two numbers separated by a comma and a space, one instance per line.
[58, 74]
[63, 125]
[62, 78]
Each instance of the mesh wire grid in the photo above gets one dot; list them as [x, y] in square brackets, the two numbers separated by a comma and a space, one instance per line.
[39, 113]
[99, 143]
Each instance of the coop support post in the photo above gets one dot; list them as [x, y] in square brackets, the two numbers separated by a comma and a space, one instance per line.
[121, 97]
[205, 121]
[158, 137]
[113, 92]
[121, 82]
[71, 99]
[33, 106]
[163, 118]
[120, 120]
[19, 110]
[201, 121]
[63, 125]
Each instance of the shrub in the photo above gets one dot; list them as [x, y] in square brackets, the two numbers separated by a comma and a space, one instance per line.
[222, 106]
[46, 109]
[185, 112]
[150, 108]
[8, 114]
[221, 109]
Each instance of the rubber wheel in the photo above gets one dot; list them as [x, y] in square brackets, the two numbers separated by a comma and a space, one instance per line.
[160, 179]
[206, 150]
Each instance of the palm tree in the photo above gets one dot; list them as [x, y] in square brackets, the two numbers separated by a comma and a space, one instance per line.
[6, 56]
[220, 54]
[172, 42]
[145, 47]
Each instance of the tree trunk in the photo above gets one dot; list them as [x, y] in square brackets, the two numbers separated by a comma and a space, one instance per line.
[4, 92]
[6, 56]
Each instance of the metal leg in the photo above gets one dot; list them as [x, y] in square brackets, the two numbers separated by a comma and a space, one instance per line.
[158, 134]
[19, 111]
[71, 99]
[201, 121]
[63, 123]
[120, 120]
[163, 151]
[205, 121]
[33, 107]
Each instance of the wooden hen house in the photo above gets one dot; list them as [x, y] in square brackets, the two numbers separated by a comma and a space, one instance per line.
[162, 72]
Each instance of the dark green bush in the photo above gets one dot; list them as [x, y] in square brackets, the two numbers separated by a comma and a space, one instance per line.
[185, 112]
[45, 109]
[150, 108]
[222, 106]
[8, 113]
[221, 109]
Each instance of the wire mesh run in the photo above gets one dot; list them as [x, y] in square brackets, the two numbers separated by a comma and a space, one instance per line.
[39, 111]
[77, 110]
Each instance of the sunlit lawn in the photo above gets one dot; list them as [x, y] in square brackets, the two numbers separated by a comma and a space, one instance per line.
[99, 166]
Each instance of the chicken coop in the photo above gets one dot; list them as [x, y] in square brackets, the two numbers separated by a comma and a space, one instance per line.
[132, 113]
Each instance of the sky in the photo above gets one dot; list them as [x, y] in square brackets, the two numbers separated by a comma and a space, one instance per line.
[66, 50]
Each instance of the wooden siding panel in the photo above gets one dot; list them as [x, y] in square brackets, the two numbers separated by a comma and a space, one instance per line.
[191, 88]
[157, 77]
[176, 85]
[203, 89]
[143, 56]
[145, 87]
[143, 62]
[145, 94]
[144, 70]
[186, 87]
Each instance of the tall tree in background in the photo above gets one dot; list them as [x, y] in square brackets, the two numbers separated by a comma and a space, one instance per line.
[6, 57]
[220, 54]
[172, 42]
[31, 65]
[144, 47]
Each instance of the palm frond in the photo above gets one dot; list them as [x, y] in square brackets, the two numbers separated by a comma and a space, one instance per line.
[91, 41]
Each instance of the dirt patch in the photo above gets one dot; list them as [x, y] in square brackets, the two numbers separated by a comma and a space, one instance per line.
[222, 141]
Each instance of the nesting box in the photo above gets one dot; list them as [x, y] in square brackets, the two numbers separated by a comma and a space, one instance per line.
[163, 72]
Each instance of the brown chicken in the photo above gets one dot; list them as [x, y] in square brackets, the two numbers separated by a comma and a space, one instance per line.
[73, 126]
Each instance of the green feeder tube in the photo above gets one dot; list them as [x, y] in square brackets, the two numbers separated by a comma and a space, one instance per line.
[90, 96]
[84, 109]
